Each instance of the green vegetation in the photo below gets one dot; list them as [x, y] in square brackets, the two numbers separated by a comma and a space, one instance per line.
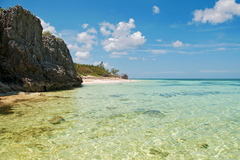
[46, 33]
[124, 76]
[1, 9]
[97, 71]
[59, 39]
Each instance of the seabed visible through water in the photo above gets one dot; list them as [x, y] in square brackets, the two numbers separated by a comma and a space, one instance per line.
[147, 119]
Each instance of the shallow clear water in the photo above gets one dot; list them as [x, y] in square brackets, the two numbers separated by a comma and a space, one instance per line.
[147, 119]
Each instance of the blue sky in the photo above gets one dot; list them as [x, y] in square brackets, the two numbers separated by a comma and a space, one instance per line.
[147, 38]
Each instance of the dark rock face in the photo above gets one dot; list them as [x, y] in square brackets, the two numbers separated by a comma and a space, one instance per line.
[30, 62]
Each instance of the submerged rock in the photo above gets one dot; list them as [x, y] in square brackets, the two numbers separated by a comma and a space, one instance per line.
[29, 61]
[152, 113]
[57, 120]
[203, 145]
[133, 114]
[158, 152]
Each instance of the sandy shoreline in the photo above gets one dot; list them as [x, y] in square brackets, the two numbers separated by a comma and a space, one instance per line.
[21, 96]
[103, 80]
[8, 99]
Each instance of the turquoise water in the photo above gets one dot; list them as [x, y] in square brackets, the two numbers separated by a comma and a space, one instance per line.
[146, 119]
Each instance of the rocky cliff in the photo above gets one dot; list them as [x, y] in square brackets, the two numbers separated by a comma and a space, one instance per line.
[30, 62]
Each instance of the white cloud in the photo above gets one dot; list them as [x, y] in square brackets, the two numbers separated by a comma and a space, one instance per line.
[84, 43]
[86, 40]
[133, 58]
[106, 65]
[223, 11]
[48, 27]
[121, 43]
[155, 10]
[91, 30]
[159, 51]
[118, 54]
[105, 26]
[73, 47]
[84, 37]
[121, 37]
[221, 49]
[85, 25]
[124, 28]
[177, 44]
[82, 55]
[159, 40]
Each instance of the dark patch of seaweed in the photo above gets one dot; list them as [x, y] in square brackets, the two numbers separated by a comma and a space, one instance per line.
[135, 113]
[116, 95]
[168, 95]
[6, 110]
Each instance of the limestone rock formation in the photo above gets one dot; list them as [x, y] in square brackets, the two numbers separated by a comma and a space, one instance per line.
[30, 62]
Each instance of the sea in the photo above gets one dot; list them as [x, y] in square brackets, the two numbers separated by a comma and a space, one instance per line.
[155, 119]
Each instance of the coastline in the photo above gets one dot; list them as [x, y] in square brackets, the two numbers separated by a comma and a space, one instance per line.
[8, 99]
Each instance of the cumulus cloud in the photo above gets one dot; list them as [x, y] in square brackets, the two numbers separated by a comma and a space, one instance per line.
[120, 37]
[177, 44]
[86, 39]
[155, 10]
[223, 11]
[106, 28]
[82, 55]
[82, 52]
[48, 27]
[121, 43]
[91, 30]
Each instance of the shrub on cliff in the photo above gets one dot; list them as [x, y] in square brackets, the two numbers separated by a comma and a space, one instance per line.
[46, 33]
[1, 9]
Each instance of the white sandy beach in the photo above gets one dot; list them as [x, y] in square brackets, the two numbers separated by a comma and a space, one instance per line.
[103, 80]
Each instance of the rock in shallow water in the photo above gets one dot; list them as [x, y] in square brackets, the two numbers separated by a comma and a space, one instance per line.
[203, 145]
[57, 120]
[158, 152]
[152, 113]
